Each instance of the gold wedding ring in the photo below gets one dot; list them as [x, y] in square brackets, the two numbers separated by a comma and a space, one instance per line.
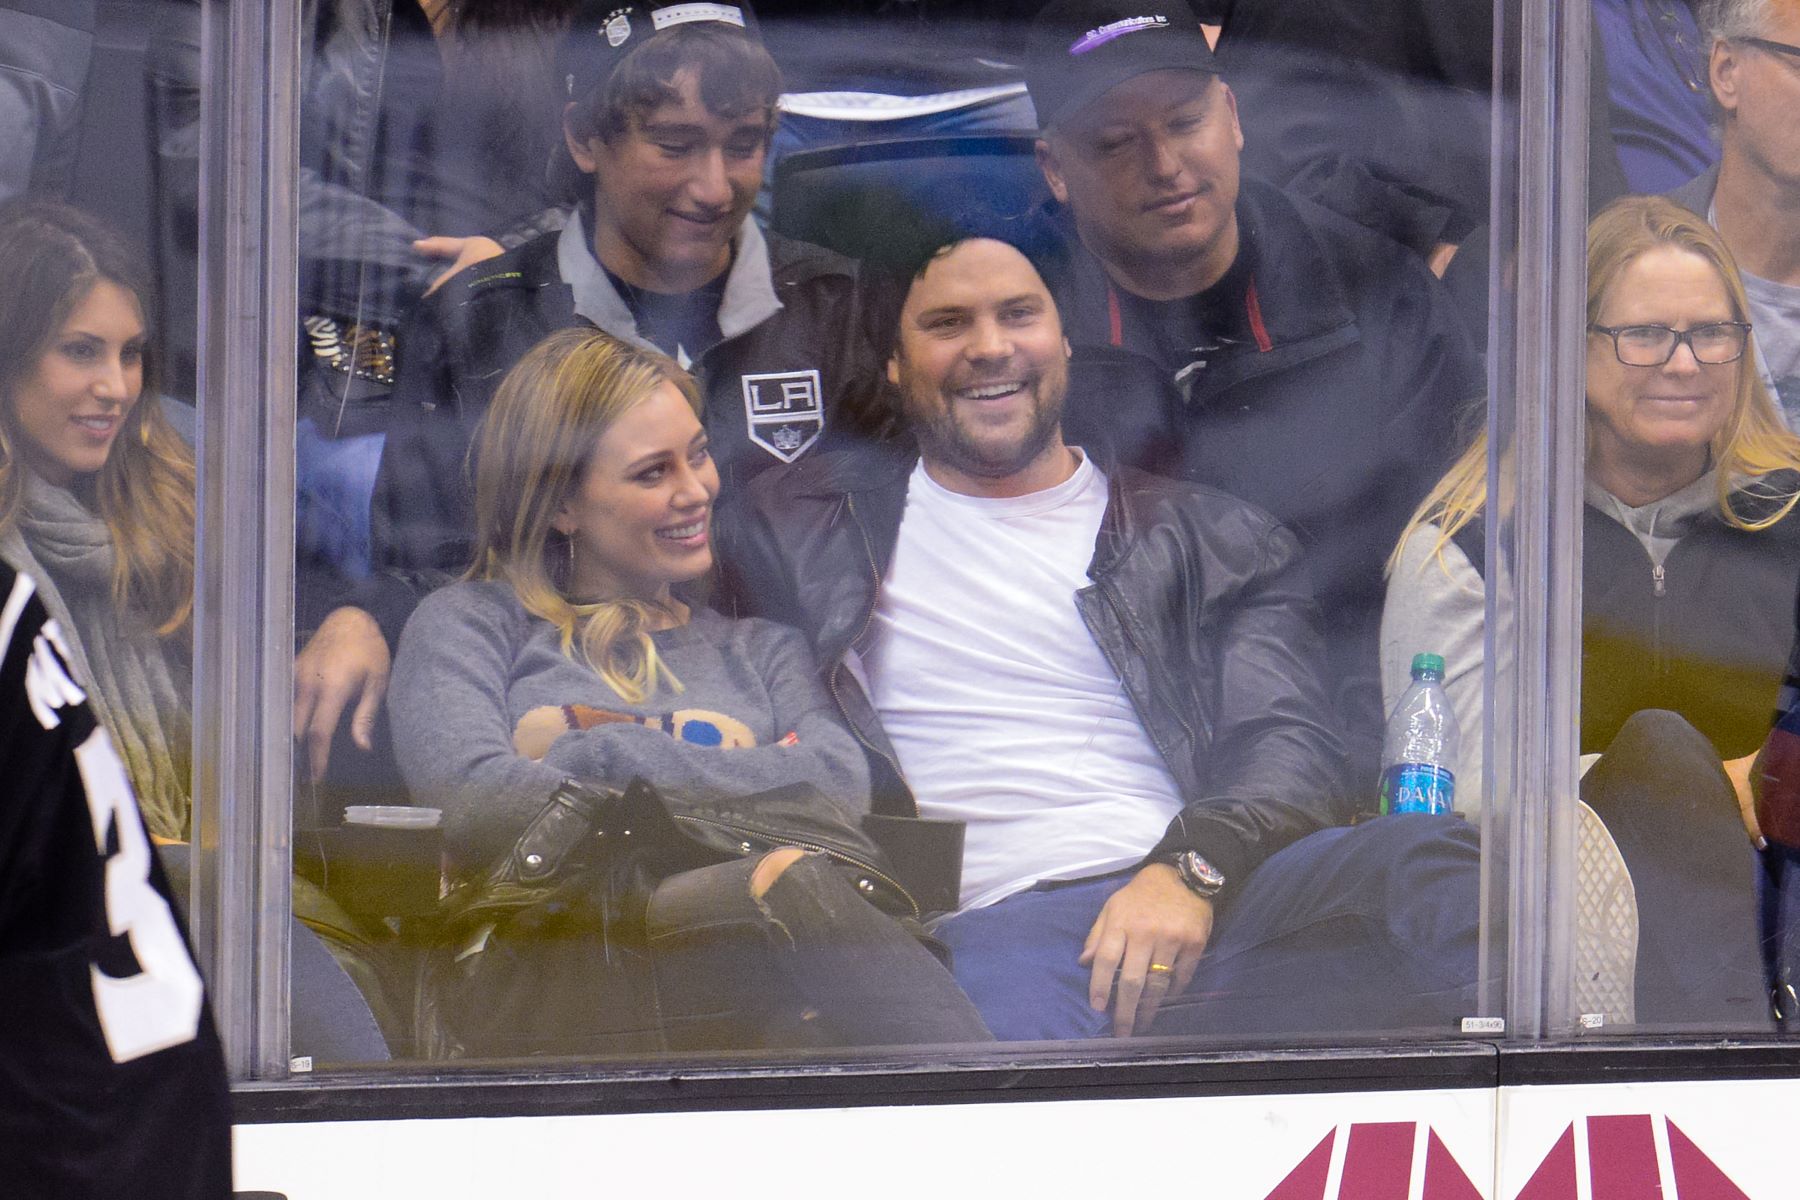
[1161, 968]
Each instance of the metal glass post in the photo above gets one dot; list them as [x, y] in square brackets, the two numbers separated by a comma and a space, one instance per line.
[243, 595]
[1536, 450]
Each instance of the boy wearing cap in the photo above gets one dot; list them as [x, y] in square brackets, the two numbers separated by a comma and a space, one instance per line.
[1315, 369]
[670, 111]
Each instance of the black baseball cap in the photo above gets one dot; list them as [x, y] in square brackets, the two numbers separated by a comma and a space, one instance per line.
[603, 33]
[1081, 49]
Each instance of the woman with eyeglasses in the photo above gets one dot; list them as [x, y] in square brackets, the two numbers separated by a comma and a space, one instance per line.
[1690, 561]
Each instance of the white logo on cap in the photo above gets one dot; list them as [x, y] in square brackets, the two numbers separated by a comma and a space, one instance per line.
[1106, 33]
[681, 14]
[618, 28]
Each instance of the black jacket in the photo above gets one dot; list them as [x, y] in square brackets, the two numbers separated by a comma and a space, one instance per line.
[1198, 602]
[1344, 400]
[767, 391]
[1377, 111]
[1707, 637]
[95, 1105]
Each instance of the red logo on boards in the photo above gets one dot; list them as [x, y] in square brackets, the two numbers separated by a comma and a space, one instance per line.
[1378, 1165]
[1621, 1158]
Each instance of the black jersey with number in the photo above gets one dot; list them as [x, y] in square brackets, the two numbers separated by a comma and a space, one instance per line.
[111, 1079]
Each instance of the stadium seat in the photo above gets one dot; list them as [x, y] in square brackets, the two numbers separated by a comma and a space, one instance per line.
[840, 197]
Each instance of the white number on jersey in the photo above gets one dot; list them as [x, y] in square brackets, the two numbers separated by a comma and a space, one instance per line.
[160, 1006]
[47, 683]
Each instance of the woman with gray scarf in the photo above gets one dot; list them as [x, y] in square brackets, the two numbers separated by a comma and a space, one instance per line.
[97, 505]
[97, 490]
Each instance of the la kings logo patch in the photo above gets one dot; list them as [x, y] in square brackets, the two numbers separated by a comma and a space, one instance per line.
[784, 412]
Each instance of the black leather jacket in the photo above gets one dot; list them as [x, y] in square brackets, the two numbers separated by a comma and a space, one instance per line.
[1198, 601]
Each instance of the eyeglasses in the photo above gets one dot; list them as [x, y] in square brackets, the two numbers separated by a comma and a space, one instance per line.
[1654, 345]
[1781, 48]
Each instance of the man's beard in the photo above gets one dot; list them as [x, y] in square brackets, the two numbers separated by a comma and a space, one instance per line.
[943, 438]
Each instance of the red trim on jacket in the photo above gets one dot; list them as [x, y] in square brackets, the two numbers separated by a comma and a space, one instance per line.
[1253, 307]
[1264, 343]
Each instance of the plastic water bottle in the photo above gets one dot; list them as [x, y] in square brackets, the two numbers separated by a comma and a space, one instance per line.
[1418, 755]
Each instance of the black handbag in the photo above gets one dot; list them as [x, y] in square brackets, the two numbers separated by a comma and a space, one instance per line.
[546, 952]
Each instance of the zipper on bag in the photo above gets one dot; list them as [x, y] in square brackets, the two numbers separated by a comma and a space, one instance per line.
[737, 831]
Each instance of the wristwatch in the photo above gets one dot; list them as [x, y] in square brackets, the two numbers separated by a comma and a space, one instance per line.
[1202, 878]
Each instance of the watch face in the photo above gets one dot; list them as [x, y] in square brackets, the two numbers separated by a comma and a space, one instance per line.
[1200, 875]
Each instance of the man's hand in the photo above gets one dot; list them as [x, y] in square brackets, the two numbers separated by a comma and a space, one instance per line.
[538, 730]
[1741, 772]
[347, 659]
[462, 252]
[1152, 919]
[1439, 258]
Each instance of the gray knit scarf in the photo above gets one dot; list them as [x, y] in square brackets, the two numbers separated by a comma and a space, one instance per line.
[140, 685]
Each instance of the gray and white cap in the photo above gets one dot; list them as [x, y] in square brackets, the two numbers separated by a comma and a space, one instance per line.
[1078, 50]
[602, 33]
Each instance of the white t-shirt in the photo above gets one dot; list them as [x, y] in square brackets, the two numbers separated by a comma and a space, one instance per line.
[1002, 710]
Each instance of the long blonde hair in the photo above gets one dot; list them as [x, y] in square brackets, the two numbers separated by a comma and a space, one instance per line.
[1752, 444]
[534, 449]
[144, 492]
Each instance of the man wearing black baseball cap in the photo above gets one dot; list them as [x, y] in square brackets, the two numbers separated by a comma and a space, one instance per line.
[1314, 368]
[670, 109]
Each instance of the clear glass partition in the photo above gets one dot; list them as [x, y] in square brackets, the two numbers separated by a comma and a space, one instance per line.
[1533, 457]
[1024, 463]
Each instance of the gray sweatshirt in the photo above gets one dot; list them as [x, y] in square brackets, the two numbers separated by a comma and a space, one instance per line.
[473, 663]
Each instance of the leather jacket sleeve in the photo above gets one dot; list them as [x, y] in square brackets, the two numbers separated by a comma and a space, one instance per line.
[750, 579]
[43, 67]
[1244, 687]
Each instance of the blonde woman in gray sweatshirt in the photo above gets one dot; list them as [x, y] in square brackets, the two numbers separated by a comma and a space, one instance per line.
[570, 651]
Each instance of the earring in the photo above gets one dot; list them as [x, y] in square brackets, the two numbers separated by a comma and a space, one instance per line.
[570, 538]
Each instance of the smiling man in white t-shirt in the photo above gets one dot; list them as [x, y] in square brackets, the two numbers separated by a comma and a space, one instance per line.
[1112, 681]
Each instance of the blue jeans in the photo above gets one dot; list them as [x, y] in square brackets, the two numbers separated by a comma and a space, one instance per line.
[1779, 900]
[1353, 929]
[334, 479]
[329, 1017]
